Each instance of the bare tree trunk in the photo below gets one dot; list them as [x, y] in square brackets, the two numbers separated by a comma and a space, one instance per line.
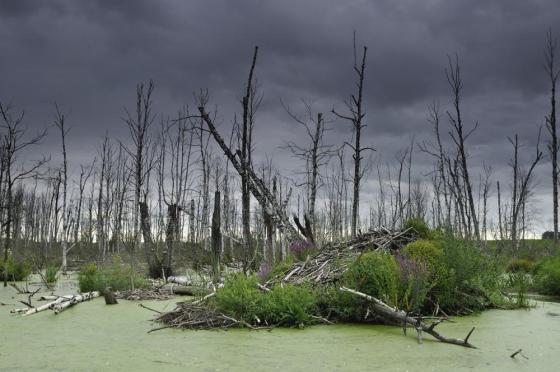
[552, 74]
[216, 238]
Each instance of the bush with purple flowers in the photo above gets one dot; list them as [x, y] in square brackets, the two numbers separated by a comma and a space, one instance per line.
[302, 248]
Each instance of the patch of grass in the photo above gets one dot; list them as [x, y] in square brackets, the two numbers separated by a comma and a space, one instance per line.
[50, 274]
[117, 276]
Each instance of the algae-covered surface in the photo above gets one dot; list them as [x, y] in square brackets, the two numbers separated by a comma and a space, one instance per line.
[95, 337]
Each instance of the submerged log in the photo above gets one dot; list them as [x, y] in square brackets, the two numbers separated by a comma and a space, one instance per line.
[401, 317]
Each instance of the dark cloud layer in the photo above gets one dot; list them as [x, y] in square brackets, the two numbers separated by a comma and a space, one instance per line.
[89, 55]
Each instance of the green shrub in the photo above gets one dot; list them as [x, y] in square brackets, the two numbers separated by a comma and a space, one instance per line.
[289, 305]
[520, 265]
[547, 277]
[468, 278]
[375, 274]
[427, 252]
[117, 276]
[240, 298]
[420, 226]
[16, 270]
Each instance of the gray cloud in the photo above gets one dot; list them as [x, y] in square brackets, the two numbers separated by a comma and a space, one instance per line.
[88, 56]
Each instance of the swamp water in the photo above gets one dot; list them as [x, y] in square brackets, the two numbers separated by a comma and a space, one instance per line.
[95, 337]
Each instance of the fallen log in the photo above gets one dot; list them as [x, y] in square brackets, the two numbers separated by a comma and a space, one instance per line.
[401, 317]
[58, 308]
[48, 305]
[183, 290]
[182, 280]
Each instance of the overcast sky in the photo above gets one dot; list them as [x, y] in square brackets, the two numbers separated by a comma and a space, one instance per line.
[88, 56]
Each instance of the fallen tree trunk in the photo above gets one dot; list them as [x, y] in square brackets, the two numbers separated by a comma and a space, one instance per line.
[58, 308]
[182, 280]
[402, 317]
[183, 290]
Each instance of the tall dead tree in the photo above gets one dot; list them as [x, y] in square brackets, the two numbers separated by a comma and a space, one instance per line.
[216, 237]
[253, 184]
[139, 125]
[356, 116]
[520, 185]
[316, 154]
[60, 124]
[14, 142]
[552, 74]
[459, 137]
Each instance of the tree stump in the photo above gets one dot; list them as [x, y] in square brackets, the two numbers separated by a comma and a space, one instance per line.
[109, 295]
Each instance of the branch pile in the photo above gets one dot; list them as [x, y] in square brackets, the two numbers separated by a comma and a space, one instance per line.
[198, 315]
[332, 261]
[58, 303]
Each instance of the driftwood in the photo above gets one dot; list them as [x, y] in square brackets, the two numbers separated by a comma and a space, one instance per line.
[402, 318]
[61, 303]
[60, 307]
[331, 262]
[182, 280]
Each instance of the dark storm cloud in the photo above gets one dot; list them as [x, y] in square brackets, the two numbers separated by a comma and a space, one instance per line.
[89, 55]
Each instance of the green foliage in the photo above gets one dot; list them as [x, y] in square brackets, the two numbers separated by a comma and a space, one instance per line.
[547, 277]
[376, 274]
[16, 270]
[428, 252]
[420, 226]
[520, 265]
[50, 274]
[289, 305]
[241, 299]
[520, 282]
[468, 278]
[117, 276]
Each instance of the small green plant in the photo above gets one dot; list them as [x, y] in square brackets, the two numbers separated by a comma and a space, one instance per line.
[520, 282]
[15, 270]
[50, 274]
[419, 225]
[90, 279]
[547, 277]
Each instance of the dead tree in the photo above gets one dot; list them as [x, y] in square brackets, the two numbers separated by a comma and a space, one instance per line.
[316, 154]
[14, 142]
[356, 117]
[216, 237]
[139, 125]
[60, 124]
[459, 138]
[520, 184]
[552, 72]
